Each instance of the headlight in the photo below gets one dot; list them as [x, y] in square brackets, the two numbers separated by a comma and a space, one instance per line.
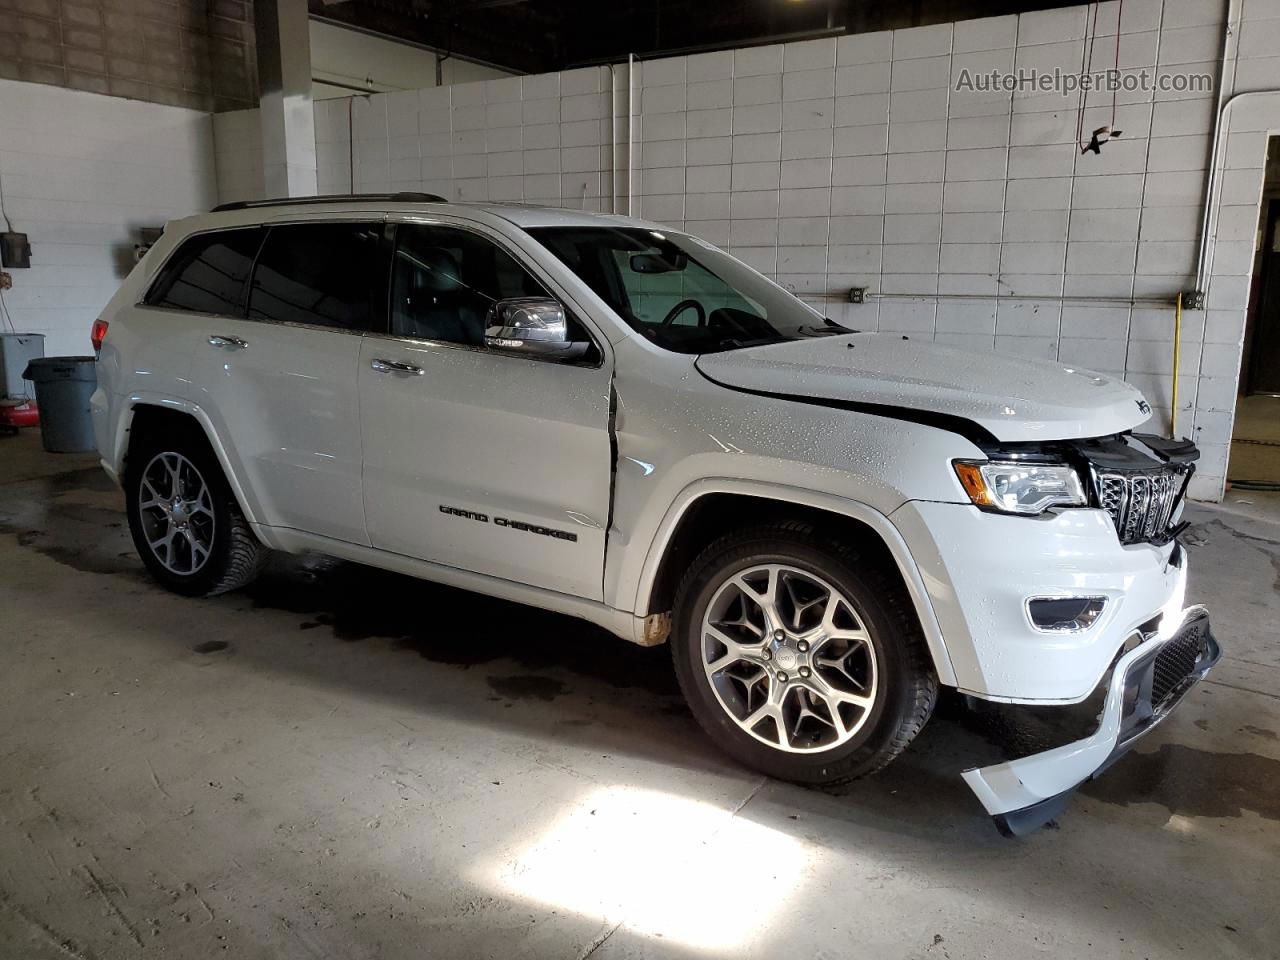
[1027, 488]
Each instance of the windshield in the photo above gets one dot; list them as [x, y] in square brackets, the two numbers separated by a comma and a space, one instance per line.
[680, 292]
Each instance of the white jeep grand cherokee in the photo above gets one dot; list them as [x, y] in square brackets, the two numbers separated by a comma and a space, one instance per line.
[618, 421]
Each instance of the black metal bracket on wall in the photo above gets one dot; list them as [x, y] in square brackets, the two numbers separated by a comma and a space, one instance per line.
[15, 251]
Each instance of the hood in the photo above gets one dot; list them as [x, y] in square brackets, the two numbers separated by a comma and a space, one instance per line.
[1011, 399]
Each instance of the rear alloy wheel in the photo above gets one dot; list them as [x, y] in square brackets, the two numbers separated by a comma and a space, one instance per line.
[186, 524]
[800, 658]
[175, 508]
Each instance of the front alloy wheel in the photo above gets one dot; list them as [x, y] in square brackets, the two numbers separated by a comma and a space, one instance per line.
[800, 657]
[789, 659]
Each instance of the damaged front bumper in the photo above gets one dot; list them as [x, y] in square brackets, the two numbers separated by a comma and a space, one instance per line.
[1144, 686]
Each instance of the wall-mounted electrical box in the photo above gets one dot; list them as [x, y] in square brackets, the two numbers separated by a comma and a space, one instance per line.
[149, 236]
[14, 250]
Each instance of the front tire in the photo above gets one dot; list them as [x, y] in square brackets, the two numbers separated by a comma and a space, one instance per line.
[798, 658]
[186, 524]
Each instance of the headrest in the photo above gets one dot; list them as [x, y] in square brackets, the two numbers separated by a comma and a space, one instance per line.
[438, 270]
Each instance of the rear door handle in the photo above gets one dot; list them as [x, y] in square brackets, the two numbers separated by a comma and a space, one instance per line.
[218, 340]
[395, 366]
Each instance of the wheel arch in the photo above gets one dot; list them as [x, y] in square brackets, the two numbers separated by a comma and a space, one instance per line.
[145, 415]
[708, 508]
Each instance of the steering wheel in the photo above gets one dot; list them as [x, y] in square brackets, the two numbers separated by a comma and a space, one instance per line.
[681, 307]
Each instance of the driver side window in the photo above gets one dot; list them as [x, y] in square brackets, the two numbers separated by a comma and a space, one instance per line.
[444, 280]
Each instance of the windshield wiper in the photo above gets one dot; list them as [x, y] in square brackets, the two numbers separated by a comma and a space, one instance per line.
[832, 330]
[733, 343]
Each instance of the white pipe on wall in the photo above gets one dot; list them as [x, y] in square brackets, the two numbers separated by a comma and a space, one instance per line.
[613, 139]
[1213, 182]
[1208, 234]
[631, 137]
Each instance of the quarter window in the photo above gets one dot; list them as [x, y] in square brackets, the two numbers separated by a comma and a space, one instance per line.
[444, 281]
[208, 272]
[318, 273]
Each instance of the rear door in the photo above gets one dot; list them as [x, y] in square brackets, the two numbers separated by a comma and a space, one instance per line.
[280, 381]
[202, 283]
[473, 457]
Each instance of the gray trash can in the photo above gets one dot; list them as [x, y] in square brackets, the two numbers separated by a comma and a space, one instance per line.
[63, 388]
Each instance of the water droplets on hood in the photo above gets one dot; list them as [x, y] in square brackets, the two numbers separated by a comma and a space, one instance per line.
[1009, 397]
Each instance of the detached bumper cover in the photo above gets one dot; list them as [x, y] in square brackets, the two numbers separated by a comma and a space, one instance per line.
[1145, 686]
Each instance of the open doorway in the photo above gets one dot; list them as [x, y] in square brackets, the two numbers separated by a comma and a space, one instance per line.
[1255, 440]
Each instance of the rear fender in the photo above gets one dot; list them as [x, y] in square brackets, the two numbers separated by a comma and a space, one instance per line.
[196, 413]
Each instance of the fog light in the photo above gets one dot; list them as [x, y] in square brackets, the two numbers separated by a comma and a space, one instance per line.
[1064, 614]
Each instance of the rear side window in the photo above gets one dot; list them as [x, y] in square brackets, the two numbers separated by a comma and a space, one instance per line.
[207, 274]
[318, 273]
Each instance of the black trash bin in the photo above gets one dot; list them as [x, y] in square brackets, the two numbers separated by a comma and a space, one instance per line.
[63, 388]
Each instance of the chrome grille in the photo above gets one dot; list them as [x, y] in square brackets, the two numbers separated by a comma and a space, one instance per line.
[1142, 503]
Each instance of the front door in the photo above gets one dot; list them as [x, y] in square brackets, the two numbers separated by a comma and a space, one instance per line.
[280, 384]
[474, 458]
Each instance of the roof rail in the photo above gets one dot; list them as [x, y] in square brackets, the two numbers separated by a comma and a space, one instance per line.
[406, 196]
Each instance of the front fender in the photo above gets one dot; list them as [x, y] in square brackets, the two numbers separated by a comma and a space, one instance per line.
[646, 574]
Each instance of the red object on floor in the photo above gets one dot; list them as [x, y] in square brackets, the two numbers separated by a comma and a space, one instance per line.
[18, 413]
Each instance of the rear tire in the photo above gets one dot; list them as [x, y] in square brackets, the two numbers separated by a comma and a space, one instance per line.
[185, 521]
[799, 659]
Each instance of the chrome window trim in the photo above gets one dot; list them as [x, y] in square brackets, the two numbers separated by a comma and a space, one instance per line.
[319, 327]
[178, 311]
[484, 351]
[260, 322]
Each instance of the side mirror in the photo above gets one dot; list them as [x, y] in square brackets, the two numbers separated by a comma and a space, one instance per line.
[531, 325]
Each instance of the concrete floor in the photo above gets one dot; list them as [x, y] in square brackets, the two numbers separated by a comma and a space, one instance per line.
[344, 763]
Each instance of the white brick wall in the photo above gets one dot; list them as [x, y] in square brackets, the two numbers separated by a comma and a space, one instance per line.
[81, 173]
[538, 139]
[855, 161]
[237, 137]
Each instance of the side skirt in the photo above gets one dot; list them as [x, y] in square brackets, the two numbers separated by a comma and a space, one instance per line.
[618, 622]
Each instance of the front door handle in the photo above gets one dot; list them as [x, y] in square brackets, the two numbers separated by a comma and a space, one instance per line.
[218, 340]
[395, 366]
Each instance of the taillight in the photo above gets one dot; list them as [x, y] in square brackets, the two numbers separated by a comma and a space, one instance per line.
[97, 334]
